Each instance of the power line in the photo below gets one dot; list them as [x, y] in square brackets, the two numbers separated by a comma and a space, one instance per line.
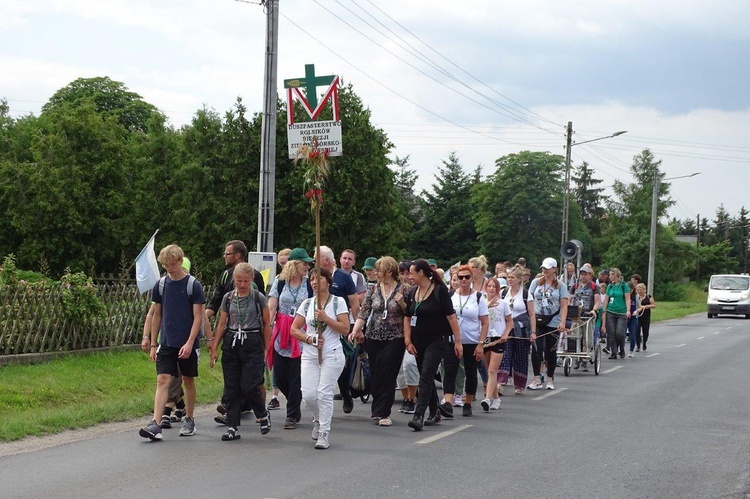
[463, 70]
[512, 117]
[389, 88]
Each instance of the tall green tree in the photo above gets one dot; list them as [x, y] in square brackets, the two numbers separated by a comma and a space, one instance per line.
[446, 230]
[629, 222]
[518, 208]
[109, 98]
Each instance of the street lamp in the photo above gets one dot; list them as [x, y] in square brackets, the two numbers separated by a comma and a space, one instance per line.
[566, 200]
[652, 243]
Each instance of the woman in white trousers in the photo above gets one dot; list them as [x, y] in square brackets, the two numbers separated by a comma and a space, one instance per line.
[319, 324]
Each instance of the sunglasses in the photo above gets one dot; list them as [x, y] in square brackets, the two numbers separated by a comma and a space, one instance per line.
[464, 276]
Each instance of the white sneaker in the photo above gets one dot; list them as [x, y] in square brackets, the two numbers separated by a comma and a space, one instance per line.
[458, 401]
[495, 405]
[322, 442]
[486, 405]
[536, 384]
[316, 430]
[550, 384]
[631, 354]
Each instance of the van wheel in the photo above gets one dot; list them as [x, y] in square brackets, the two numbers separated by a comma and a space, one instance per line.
[710, 316]
[747, 316]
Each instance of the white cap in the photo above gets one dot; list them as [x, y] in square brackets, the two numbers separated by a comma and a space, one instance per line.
[549, 263]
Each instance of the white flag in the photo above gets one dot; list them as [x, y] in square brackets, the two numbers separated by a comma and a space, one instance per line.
[146, 268]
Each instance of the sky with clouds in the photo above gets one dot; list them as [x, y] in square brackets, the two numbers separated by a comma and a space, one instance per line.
[484, 78]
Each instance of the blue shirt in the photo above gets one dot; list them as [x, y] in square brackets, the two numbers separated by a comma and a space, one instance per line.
[177, 310]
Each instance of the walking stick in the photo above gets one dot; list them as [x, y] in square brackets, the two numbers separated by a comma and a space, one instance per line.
[317, 169]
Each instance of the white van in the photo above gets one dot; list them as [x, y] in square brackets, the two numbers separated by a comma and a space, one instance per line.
[729, 294]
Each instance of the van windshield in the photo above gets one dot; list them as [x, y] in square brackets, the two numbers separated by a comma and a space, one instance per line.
[732, 283]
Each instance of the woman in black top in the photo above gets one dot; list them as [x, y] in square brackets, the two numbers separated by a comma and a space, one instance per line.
[429, 320]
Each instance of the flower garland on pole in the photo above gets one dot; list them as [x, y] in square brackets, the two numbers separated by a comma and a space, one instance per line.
[317, 167]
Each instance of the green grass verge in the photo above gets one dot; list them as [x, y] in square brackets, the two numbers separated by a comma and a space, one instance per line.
[77, 392]
[676, 309]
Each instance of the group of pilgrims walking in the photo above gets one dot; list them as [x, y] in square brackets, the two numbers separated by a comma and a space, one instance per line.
[417, 323]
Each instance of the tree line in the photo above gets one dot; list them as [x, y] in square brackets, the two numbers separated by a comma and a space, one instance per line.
[84, 184]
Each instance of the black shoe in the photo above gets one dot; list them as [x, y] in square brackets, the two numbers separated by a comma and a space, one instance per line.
[417, 422]
[446, 409]
[467, 411]
[221, 419]
[231, 434]
[433, 420]
[644, 347]
[612, 357]
[622, 355]
[274, 404]
[348, 407]
[338, 397]
[265, 424]
[221, 409]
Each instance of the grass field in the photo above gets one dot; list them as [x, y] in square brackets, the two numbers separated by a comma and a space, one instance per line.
[81, 391]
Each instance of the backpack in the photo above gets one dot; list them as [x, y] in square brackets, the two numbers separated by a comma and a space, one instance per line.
[190, 286]
[282, 283]
[525, 295]
[478, 293]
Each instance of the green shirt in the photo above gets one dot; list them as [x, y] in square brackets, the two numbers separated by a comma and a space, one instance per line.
[618, 296]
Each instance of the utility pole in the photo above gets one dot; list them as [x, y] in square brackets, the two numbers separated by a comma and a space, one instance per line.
[652, 243]
[698, 245]
[566, 200]
[267, 192]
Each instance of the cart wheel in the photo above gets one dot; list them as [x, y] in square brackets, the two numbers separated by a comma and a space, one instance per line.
[597, 359]
[567, 361]
[365, 398]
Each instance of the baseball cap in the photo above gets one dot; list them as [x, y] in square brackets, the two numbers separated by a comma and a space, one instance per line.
[432, 262]
[300, 254]
[549, 263]
[604, 271]
[369, 263]
[587, 268]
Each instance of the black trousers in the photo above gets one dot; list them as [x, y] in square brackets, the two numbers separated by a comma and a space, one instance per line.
[545, 348]
[451, 363]
[287, 373]
[644, 328]
[385, 358]
[346, 378]
[429, 354]
[243, 367]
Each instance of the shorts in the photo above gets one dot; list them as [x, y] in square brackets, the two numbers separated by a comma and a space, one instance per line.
[497, 348]
[168, 362]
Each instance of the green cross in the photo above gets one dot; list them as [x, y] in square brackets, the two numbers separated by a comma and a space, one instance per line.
[310, 82]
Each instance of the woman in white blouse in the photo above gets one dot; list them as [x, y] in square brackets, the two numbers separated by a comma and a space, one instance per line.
[500, 326]
[319, 328]
[472, 316]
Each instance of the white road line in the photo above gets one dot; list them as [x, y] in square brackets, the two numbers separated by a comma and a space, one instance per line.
[680, 345]
[549, 394]
[613, 369]
[444, 434]
[717, 332]
[652, 354]
[728, 327]
[700, 337]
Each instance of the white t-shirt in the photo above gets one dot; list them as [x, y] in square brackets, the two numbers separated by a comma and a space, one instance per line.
[497, 318]
[468, 312]
[331, 339]
[518, 306]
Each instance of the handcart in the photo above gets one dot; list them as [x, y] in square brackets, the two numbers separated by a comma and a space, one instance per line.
[578, 346]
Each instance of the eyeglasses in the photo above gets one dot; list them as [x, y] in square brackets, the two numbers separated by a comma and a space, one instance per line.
[463, 276]
[229, 254]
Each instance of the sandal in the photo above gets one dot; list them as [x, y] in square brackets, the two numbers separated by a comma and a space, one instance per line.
[231, 434]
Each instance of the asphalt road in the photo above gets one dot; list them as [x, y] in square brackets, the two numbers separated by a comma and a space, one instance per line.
[673, 422]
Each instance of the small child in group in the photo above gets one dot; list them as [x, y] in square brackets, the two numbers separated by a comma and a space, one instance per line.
[245, 327]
